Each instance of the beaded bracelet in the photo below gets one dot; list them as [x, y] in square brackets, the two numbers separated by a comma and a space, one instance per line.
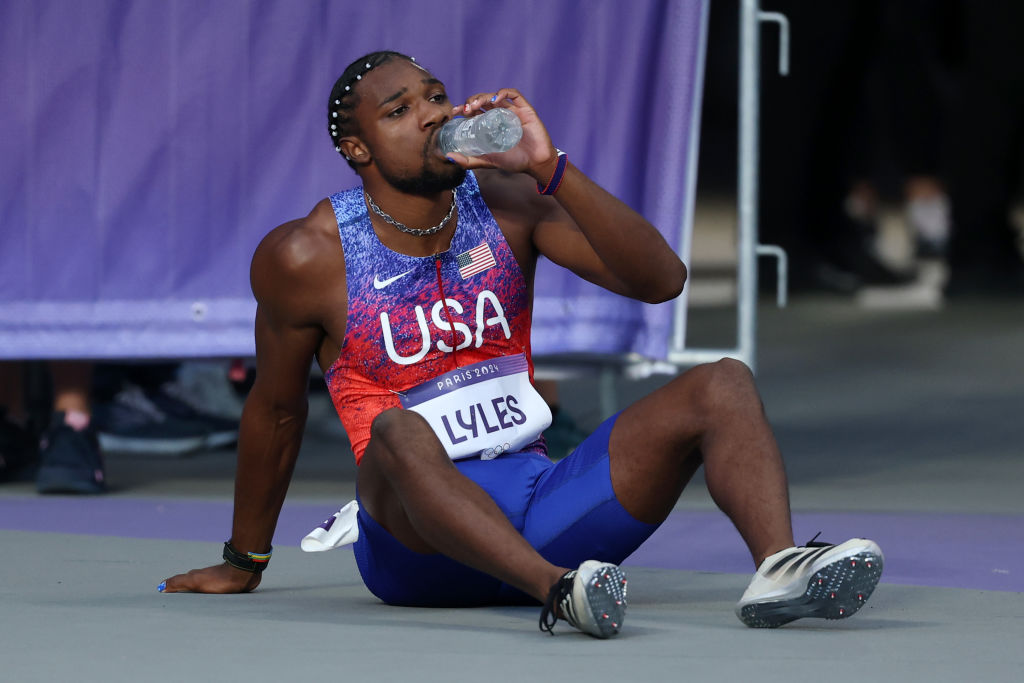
[556, 177]
[254, 563]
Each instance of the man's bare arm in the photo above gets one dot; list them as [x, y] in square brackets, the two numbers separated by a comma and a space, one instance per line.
[270, 433]
[583, 228]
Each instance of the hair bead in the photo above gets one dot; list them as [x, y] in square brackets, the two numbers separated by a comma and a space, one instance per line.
[339, 118]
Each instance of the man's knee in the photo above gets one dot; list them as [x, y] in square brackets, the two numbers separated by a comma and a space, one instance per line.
[730, 372]
[397, 433]
[732, 384]
[722, 384]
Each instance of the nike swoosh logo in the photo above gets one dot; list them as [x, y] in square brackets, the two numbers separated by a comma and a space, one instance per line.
[381, 284]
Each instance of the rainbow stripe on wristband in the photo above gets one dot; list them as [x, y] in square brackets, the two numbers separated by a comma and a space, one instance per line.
[556, 177]
[249, 562]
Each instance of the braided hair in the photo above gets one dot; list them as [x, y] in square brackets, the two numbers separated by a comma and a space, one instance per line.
[343, 100]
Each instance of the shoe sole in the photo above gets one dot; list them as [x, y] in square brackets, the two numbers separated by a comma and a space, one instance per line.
[112, 443]
[836, 591]
[67, 481]
[216, 440]
[606, 599]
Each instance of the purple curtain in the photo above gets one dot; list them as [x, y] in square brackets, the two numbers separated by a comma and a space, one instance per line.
[147, 146]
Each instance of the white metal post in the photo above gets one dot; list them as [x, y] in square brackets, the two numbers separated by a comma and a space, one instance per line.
[749, 115]
[748, 247]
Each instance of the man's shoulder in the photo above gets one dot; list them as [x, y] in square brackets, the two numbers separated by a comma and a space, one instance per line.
[300, 243]
[299, 252]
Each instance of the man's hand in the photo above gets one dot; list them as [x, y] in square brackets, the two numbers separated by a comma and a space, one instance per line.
[534, 155]
[221, 578]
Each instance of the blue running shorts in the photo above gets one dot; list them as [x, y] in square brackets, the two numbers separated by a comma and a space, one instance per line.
[566, 510]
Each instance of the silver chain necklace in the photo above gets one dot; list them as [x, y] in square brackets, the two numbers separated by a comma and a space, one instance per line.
[405, 228]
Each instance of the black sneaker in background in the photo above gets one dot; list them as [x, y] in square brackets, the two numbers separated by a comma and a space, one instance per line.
[19, 450]
[131, 423]
[70, 460]
[174, 400]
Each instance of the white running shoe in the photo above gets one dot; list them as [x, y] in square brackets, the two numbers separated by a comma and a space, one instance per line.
[816, 580]
[591, 598]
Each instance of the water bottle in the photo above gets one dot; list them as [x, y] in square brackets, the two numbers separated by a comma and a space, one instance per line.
[497, 130]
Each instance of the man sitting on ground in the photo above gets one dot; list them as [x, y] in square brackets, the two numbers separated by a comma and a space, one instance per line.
[413, 293]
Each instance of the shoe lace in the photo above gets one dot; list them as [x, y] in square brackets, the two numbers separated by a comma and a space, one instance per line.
[557, 595]
[814, 543]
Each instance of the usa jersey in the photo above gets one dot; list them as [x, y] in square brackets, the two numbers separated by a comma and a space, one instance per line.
[411, 319]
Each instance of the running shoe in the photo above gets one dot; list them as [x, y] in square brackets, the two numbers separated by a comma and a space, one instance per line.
[591, 598]
[815, 580]
[175, 400]
[132, 423]
[70, 460]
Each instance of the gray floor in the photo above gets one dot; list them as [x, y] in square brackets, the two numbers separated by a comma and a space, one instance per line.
[887, 412]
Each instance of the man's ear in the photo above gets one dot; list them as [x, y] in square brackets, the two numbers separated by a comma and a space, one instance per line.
[353, 148]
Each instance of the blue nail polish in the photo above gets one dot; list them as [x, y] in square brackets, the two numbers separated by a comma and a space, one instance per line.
[450, 160]
[494, 98]
[162, 586]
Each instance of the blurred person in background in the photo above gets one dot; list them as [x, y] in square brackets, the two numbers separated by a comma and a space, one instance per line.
[859, 119]
[67, 459]
[58, 419]
[910, 101]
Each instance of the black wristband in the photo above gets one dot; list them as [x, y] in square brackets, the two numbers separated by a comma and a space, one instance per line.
[254, 563]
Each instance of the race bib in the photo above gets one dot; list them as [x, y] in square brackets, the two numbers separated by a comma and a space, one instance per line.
[484, 409]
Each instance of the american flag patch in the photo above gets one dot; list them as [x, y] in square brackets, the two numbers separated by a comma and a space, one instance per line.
[476, 260]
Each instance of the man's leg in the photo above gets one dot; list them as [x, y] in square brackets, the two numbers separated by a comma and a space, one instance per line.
[408, 485]
[713, 415]
[72, 382]
[70, 461]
